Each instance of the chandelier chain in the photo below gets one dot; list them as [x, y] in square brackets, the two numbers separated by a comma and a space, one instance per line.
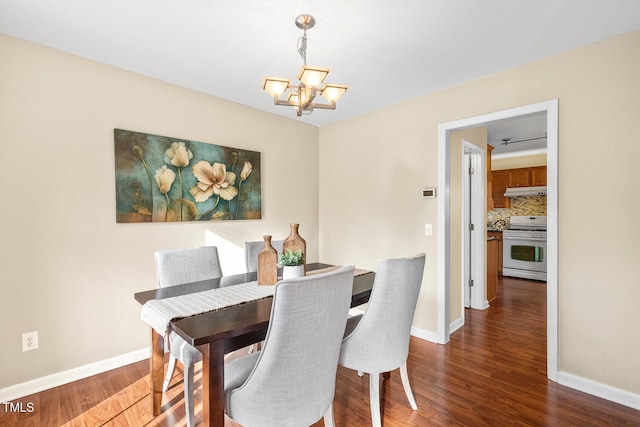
[302, 47]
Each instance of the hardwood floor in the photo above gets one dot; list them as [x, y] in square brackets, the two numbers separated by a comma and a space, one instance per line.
[493, 373]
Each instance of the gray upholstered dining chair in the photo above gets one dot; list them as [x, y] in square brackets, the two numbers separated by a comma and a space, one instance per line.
[291, 381]
[175, 267]
[378, 341]
[252, 249]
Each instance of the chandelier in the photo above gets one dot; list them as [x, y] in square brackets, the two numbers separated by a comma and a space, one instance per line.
[303, 96]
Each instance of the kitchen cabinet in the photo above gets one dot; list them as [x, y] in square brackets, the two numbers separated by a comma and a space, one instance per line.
[518, 178]
[499, 185]
[509, 178]
[492, 268]
[527, 177]
[498, 237]
[539, 176]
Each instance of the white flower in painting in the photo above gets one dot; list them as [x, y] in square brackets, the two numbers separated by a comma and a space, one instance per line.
[246, 171]
[213, 179]
[178, 155]
[164, 178]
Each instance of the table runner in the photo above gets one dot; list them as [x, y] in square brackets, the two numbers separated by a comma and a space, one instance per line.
[159, 312]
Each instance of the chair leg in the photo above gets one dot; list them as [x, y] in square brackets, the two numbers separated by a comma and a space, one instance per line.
[188, 395]
[328, 417]
[407, 386]
[374, 398]
[170, 369]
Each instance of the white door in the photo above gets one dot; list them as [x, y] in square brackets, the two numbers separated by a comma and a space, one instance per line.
[474, 268]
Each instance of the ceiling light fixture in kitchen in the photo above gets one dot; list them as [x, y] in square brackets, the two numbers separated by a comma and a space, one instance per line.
[303, 95]
[507, 141]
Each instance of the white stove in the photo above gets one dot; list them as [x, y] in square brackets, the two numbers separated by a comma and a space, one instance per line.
[525, 248]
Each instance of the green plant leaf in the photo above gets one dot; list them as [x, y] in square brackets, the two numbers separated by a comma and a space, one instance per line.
[291, 258]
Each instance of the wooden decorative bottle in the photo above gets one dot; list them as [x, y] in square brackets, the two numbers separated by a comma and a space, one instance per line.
[296, 243]
[267, 263]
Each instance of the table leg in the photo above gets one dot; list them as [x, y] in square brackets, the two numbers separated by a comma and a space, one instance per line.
[156, 371]
[212, 384]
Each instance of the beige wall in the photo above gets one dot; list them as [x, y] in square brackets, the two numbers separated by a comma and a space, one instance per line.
[373, 166]
[67, 269]
[372, 170]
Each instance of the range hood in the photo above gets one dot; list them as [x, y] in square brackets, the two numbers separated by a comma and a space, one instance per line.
[525, 191]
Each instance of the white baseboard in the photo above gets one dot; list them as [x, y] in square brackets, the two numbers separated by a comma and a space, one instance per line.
[424, 334]
[432, 336]
[54, 380]
[456, 324]
[604, 391]
[483, 306]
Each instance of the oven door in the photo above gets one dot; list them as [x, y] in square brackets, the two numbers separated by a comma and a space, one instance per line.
[524, 257]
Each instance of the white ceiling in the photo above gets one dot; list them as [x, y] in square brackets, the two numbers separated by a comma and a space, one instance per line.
[387, 51]
[526, 135]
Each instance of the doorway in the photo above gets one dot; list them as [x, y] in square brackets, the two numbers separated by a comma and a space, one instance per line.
[550, 108]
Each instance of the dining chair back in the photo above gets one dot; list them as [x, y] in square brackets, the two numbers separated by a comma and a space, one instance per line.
[291, 381]
[175, 267]
[253, 248]
[378, 341]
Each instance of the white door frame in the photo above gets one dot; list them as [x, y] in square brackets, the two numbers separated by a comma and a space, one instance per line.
[444, 157]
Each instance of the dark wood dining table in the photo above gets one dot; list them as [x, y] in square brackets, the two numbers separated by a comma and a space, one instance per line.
[218, 332]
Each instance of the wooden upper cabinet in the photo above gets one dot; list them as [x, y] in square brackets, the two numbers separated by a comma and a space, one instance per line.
[499, 185]
[519, 178]
[507, 178]
[539, 176]
[527, 177]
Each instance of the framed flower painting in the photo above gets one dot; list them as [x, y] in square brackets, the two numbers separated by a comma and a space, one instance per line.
[163, 179]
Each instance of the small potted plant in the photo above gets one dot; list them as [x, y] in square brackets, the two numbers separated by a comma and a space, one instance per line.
[292, 263]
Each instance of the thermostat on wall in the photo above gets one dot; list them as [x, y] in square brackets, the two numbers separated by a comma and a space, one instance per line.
[428, 193]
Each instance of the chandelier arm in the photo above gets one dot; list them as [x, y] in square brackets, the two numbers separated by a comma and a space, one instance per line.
[277, 101]
[330, 106]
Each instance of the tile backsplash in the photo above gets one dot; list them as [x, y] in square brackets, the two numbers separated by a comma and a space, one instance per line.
[520, 206]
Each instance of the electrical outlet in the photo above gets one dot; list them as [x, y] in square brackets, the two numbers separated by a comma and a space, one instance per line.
[29, 341]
